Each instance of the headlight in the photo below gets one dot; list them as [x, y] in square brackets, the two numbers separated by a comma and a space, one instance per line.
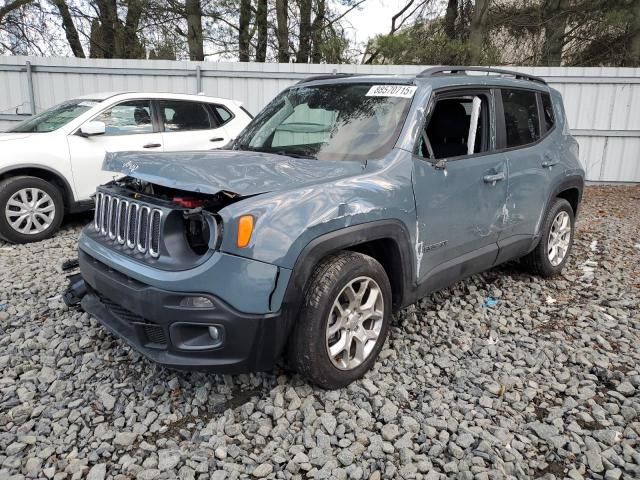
[203, 232]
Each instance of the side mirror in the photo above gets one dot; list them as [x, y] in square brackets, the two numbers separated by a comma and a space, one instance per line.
[90, 129]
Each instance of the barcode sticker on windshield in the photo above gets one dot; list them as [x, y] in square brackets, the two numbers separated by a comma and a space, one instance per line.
[403, 91]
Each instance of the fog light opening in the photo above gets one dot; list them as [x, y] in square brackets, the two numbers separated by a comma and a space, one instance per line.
[216, 334]
[196, 302]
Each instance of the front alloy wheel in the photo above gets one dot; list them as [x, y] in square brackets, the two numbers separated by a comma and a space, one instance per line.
[343, 321]
[31, 209]
[355, 323]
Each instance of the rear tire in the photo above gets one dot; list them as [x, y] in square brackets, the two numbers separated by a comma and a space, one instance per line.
[343, 322]
[552, 252]
[31, 209]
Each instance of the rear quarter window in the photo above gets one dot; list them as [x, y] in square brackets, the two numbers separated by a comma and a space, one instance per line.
[522, 122]
[547, 111]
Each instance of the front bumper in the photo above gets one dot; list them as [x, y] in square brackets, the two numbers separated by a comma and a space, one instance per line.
[152, 322]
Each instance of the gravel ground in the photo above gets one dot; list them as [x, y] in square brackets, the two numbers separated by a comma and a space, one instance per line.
[544, 383]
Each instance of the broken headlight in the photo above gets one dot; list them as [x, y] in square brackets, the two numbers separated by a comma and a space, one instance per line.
[202, 231]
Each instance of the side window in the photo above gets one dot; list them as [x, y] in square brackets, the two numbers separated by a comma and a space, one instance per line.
[521, 118]
[224, 114]
[180, 116]
[127, 118]
[457, 127]
[547, 109]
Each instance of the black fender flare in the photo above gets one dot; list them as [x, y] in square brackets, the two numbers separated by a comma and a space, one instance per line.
[566, 183]
[343, 239]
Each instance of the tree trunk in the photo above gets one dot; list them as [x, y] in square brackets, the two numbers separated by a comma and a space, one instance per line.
[635, 40]
[193, 11]
[317, 28]
[263, 31]
[478, 30]
[11, 6]
[554, 32]
[244, 35]
[103, 31]
[450, 19]
[129, 44]
[304, 49]
[70, 30]
[282, 31]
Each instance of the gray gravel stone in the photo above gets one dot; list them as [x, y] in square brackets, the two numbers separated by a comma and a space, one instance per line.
[545, 381]
[97, 472]
[263, 470]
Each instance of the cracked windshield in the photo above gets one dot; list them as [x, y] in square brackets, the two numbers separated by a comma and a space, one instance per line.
[332, 122]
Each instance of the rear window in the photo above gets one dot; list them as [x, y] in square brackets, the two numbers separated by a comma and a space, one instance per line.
[521, 118]
[547, 110]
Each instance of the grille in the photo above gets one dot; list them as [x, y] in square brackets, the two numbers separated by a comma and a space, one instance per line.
[128, 223]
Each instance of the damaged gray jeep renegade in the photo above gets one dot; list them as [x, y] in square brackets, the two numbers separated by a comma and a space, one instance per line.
[346, 198]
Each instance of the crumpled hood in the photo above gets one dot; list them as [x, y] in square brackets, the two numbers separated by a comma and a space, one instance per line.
[13, 136]
[240, 172]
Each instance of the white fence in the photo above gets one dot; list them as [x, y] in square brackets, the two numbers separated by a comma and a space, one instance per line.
[603, 104]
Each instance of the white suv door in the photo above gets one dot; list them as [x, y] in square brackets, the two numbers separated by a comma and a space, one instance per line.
[128, 127]
[189, 125]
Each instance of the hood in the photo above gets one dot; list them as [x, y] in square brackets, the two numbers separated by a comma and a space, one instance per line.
[240, 172]
[13, 136]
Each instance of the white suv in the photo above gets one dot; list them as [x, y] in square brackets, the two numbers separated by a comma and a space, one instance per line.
[51, 163]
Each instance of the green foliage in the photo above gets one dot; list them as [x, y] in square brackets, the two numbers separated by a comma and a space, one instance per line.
[427, 44]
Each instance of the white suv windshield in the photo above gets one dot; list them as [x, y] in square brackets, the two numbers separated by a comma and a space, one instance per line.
[330, 122]
[55, 117]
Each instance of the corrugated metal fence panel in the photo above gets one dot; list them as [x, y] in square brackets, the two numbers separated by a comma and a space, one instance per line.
[602, 104]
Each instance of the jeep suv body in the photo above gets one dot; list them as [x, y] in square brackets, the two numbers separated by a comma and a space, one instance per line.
[346, 198]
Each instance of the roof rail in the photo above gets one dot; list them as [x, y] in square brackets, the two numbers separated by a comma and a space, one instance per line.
[447, 70]
[328, 76]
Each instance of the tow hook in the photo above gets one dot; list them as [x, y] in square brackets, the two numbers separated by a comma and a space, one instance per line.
[77, 287]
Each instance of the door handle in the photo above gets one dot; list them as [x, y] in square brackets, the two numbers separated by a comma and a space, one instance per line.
[494, 178]
[217, 139]
[152, 145]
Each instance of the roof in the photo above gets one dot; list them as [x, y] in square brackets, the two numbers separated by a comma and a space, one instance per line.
[101, 96]
[439, 77]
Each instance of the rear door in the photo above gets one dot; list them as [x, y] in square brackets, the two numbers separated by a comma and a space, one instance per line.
[524, 128]
[189, 125]
[460, 191]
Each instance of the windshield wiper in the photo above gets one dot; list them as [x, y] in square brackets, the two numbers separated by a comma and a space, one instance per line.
[277, 152]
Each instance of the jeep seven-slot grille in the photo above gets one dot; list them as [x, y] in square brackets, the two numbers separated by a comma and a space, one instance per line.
[129, 223]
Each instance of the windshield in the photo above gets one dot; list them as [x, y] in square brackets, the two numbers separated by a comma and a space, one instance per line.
[330, 122]
[55, 117]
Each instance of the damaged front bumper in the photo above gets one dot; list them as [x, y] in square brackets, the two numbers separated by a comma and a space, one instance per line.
[155, 322]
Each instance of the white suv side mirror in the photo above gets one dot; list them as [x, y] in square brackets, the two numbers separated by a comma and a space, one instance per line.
[93, 128]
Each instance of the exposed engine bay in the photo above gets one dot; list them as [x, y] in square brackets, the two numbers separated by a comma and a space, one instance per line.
[189, 215]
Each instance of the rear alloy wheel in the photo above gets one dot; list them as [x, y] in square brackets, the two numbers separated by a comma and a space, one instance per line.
[343, 322]
[31, 209]
[552, 252]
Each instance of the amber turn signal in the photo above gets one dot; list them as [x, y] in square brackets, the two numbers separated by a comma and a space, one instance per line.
[245, 229]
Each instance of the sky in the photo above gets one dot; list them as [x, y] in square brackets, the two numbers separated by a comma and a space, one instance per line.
[372, 18]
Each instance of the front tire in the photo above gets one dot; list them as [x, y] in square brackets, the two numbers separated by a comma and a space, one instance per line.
[343, 322]
[552, 252]
[31, 209]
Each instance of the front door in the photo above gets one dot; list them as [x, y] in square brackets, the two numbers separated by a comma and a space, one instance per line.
[129, 127]
[460, 188]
